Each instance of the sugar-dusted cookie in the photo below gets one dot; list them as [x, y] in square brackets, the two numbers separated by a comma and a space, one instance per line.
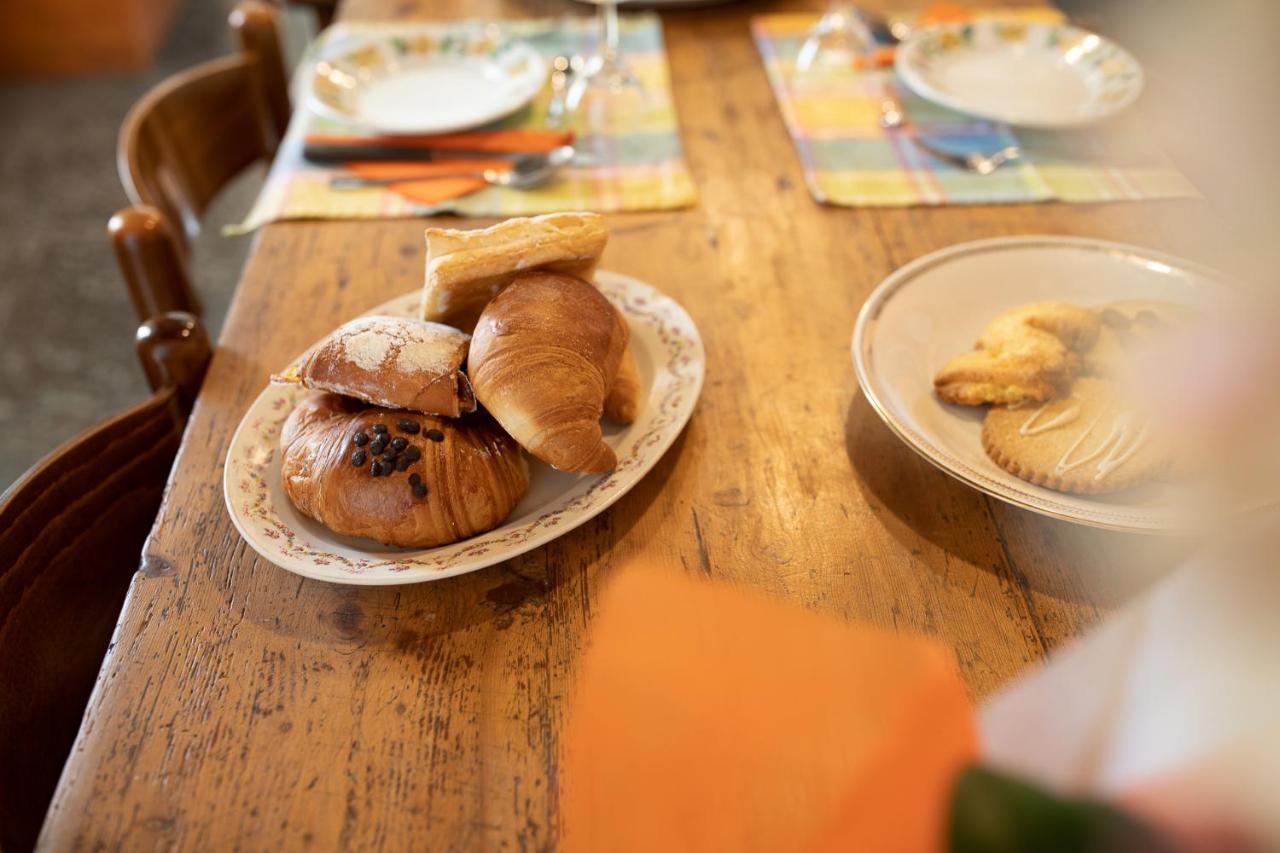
[1089, 441]
[1128, 325]
[1026, 353]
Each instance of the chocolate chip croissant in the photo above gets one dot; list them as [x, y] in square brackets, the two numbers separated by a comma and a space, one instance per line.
[401, 478]
[543, 358]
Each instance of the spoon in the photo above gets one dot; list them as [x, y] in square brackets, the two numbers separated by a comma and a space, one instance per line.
[526, 171]
[975, 161]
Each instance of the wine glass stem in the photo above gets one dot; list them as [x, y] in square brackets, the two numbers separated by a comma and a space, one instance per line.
[608, 16]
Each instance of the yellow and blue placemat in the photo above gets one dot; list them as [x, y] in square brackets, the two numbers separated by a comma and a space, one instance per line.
[833, 116]
[632, 159]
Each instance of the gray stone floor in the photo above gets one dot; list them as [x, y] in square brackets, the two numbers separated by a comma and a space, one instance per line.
[66, 327]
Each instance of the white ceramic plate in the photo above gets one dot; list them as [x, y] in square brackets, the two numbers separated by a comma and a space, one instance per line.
[936, 306]
[670, 356]
[1028, 74]
[426, 82]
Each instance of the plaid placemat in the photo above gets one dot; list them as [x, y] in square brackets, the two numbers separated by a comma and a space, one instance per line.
[833, 116]
[631, 159]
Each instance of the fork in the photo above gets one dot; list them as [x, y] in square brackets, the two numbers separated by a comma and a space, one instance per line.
[892, 117]
[974, 161]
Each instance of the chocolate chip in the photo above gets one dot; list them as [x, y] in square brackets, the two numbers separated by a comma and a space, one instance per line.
[375, 468]
[360, 439]
[406, 425]
[379, 445]
[358, 458]
[419, 491]
[399, 443]
[415, 478]
[434, 435]
[380, 428]
[403, 463]
[413, 453]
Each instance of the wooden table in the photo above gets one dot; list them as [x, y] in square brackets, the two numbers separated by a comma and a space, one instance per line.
[245, 706]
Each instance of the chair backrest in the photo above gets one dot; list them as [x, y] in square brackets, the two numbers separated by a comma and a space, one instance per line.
[198, 129]
[152, 262]
[71, 536]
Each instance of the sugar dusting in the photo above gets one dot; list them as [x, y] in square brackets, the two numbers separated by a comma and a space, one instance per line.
[374, 343]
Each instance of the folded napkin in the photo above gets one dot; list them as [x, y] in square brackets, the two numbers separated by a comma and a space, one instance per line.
[737, 723]
[428, 187]
[833, 116]
[1170, 705]
[631, 160]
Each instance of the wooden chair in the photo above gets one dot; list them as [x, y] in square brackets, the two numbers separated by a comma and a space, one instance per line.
[191, 134]
[71, 535]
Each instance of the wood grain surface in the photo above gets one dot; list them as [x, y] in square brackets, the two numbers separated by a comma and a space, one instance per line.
[246, 707]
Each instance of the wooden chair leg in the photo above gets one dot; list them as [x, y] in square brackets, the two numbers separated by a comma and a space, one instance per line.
[152, 263]
[174, 351]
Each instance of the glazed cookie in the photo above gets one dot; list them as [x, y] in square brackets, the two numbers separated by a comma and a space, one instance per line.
[1027, 353]
[1087, 442]
[1125, 326]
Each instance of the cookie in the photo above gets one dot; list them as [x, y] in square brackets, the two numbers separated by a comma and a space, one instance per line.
[1128, 325]
[1089, 441]
[1027, 353]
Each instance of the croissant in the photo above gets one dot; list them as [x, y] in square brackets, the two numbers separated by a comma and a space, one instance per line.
[543, 357]
[623, 402]
[450, 480]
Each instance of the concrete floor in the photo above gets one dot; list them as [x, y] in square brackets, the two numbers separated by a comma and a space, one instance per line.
[66, 326]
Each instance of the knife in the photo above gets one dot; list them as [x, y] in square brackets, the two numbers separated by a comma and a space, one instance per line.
[324, 152]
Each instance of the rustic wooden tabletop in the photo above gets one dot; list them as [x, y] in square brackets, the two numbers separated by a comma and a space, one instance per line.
[243, 706]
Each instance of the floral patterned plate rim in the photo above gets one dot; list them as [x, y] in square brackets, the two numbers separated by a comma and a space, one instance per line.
[672, 362]
[425, 80]
[1029, 74]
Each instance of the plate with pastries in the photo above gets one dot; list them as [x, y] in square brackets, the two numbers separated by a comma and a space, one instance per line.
[1017, 365]
[515, 396]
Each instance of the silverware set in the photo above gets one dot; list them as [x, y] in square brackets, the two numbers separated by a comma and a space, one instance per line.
[527, 170]
[892, 116]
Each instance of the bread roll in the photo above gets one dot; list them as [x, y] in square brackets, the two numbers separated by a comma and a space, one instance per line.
[465, 269]
[396, 362]
[467, 482]
[543, 357]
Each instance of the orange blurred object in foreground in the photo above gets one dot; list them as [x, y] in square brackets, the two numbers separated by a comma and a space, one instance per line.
[708, 719]
[944, 13]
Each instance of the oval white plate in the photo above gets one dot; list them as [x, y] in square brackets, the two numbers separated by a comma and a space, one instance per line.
[936, 306]
[425, 82]
[671, 359]
[1028, 74]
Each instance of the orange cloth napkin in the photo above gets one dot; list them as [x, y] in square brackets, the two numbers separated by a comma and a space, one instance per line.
[707, 719]
[426, 187]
